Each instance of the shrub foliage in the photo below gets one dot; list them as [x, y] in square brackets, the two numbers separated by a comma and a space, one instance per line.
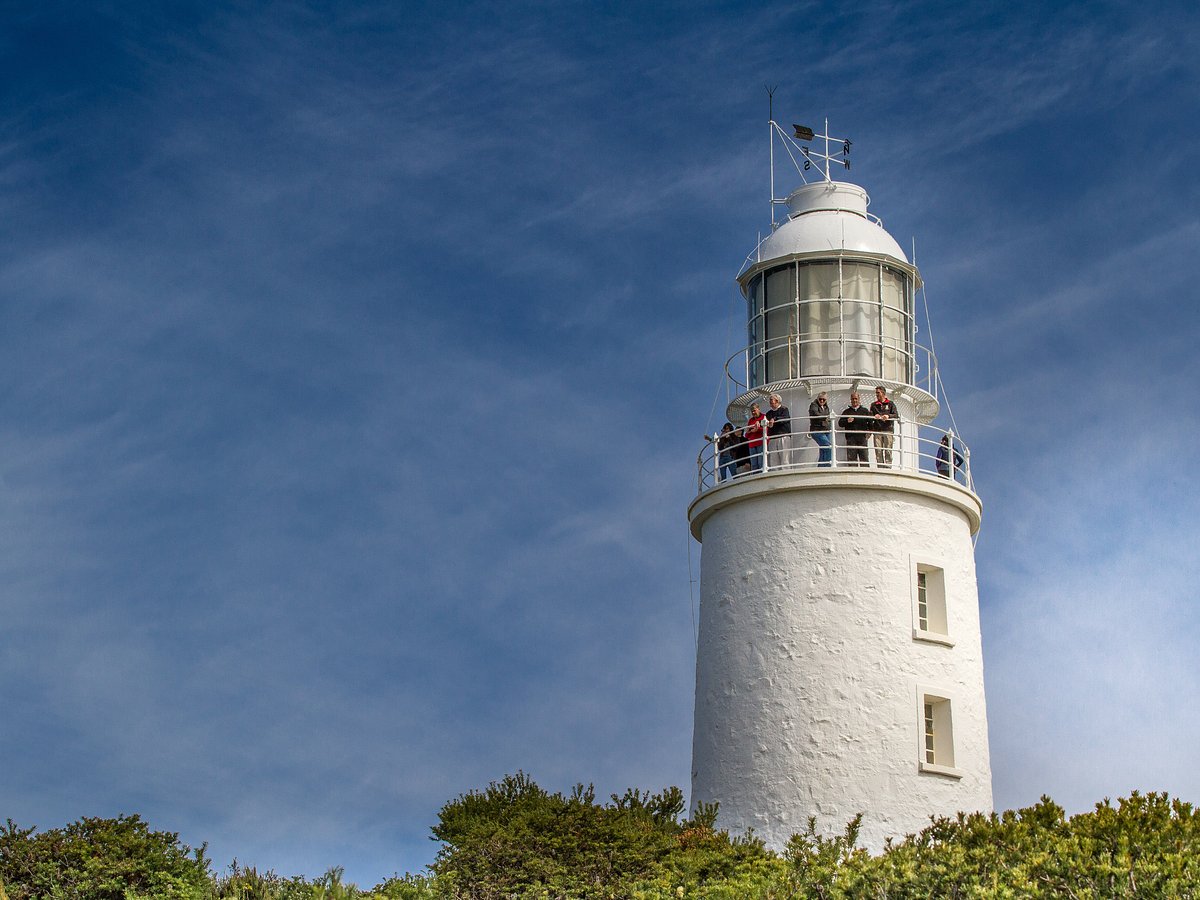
[515, 840]
[100, 859]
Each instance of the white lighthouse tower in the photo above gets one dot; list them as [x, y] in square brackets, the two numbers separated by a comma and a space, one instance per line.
[838, 669]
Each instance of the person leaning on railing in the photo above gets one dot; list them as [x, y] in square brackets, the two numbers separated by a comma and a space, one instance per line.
[857, 423]
[819, 428]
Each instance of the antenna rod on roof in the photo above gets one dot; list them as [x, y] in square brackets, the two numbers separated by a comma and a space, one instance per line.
[771, 145]
[827, 178]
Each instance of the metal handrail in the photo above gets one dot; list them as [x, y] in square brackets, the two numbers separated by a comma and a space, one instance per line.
[917, 450]
[923, 376]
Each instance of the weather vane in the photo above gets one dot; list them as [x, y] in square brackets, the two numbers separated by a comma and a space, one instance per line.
[803, 133]
[805, 157]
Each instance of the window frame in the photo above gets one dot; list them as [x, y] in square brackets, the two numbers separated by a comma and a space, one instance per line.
[936, 602]
[940, 703]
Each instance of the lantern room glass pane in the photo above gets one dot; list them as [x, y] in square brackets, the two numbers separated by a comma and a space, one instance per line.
[860, 281]
[820, 345]
[860, 328]
[782, 361]
[781, 287]
[895, 355]
[897, 317]
[755, 352]
[820, 327]
[754, 300]
[894, 293]
[781, 323]
[818, 281]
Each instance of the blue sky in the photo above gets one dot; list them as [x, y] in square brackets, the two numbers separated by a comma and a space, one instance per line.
[354, 359]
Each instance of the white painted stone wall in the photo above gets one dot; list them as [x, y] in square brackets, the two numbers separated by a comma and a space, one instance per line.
[808, 674]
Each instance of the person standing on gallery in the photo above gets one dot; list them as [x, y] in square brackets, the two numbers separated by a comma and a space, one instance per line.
[946, 452]
[819, 428]
[857, 423]
[885, 414]
[754, 437]
[779, 434]
[726, 441]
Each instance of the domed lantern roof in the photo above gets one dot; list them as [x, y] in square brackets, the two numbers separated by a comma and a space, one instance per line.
[829, 216]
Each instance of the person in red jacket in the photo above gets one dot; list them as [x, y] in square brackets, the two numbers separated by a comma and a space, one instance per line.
[754, 437]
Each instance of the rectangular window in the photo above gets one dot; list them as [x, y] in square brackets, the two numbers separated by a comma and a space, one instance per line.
[937, 732]
[930, 621]
[930, 746]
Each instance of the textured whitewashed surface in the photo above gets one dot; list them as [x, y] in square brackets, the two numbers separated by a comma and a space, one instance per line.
[808, 673]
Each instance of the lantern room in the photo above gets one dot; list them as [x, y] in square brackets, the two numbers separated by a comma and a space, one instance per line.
[829, 294]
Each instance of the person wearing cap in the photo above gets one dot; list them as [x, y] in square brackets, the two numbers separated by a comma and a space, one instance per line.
[885, 415]
[820, 430]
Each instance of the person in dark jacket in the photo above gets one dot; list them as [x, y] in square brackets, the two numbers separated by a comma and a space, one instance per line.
[945, 451]
[726, 461]
[857, 423]
[779, 434]
[885, 416]
[819, 428]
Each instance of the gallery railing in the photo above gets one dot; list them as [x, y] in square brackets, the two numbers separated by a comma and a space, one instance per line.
[924, 450]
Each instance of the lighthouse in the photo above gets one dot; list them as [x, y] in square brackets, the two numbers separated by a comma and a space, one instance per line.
[839, 668]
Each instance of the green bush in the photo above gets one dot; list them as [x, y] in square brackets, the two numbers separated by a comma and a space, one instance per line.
[516, 840]
[101, 859]
[247, 883]
[1146, 846]
[244, 883]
